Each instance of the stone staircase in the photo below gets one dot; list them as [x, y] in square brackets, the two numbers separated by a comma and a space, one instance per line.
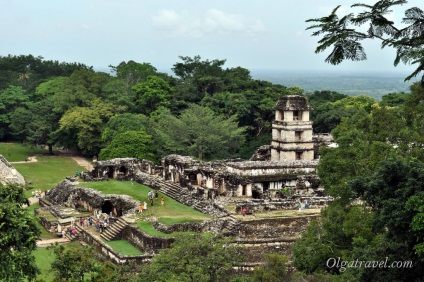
[113, 230]
[186, 197]
[76, 237]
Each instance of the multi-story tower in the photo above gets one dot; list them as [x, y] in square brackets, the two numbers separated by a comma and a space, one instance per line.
[292, 130]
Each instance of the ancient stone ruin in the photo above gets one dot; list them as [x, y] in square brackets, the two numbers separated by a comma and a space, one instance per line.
[289, 162]
[8, 174]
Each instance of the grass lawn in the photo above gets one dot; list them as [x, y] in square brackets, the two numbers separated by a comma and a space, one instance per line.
[16, 152]
[47, 172]
[124, 248]
[44, 258]
[44, 233]
[172, 211]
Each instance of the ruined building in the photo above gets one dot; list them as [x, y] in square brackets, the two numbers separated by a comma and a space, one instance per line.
[290, 161]
[8, 174]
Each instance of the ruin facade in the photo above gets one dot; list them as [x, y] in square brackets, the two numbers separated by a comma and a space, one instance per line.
[8, 174]
[289, 161]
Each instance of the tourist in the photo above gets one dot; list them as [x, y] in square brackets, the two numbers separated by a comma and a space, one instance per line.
[145, 206]
[156, 195]
[132, 181]
[300, 207]
[140, 208]
[150, 196]
[243, 211]
[162, 201]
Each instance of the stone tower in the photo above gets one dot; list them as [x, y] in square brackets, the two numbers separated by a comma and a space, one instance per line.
[292, 130]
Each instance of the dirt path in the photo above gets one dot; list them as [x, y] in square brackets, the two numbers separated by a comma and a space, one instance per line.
[32, 159]
[83, 162]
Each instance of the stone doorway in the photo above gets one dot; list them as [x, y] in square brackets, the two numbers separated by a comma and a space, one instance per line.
[107, 207]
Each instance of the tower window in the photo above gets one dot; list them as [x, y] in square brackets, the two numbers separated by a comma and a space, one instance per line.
[299, 156]
[297, 115]
[298, 135]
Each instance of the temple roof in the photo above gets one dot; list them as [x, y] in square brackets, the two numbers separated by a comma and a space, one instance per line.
[293, 103]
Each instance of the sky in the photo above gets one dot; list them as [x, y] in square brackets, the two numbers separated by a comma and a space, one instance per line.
[253, 34]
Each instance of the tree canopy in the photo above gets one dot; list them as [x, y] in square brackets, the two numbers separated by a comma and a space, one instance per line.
[193, 258]
[18, 236]
[344, 34]
[199, 132]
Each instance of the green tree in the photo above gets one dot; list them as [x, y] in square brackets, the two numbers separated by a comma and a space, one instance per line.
[11, 98]
[274, 269]
[81, 127]
[130, 144]
[79, 90]
[73, 264]
[393, 99]
[115, 92]
[344, 34]
[18, 236]
[122, 123]
[193, 258]
[151, 94]
[132, 73]
[389, 192]
[199, 132]
[198, 77]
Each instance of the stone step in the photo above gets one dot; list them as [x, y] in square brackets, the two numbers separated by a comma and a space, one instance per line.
[114, 229]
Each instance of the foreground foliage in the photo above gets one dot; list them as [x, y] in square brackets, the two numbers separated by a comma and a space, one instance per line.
[379, 160]
[193, 258]
[18, 236]
[344, 35]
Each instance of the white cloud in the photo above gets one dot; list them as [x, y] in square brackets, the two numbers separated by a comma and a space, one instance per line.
[212, 22]
[166, 18]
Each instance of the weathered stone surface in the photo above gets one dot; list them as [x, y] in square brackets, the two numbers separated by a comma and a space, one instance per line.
[262, 154]
[68, 193]
[8, 174]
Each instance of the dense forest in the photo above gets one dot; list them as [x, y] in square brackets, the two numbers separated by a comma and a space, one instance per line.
[204, 109]
[210, 112]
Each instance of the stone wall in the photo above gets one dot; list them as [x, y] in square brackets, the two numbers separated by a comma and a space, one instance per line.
[68, 193]
[144, 242]
[111, 254]
[263, 230]
[262, 205]
[8, 174]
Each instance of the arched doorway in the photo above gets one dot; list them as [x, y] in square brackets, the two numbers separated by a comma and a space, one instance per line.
[107, 207]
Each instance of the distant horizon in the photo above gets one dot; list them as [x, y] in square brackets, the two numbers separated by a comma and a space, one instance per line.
[326, 72]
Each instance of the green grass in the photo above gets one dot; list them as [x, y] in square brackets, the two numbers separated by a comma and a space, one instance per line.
[171, 209]
[44, 258]
[44, 233]
[15, 152]
[47, 172]
[169, 221]
[124, 248]
[148, 228]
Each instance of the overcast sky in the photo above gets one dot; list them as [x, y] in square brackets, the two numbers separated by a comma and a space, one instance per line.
[266, 34]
